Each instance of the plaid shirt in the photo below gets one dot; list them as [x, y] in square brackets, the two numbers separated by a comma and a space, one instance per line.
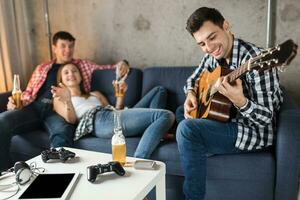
[257, 119]
[40, 74]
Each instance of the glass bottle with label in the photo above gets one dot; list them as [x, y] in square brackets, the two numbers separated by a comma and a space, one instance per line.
[16, 92]
[118, 140]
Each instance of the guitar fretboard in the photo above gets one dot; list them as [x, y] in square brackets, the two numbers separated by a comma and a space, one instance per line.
[232, 76]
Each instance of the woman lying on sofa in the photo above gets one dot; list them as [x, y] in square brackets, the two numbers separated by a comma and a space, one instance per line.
[94, 115]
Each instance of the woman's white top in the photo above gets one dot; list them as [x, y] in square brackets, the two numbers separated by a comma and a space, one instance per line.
[82, 105]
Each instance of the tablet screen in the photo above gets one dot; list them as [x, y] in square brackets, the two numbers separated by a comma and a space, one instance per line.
[46, 186]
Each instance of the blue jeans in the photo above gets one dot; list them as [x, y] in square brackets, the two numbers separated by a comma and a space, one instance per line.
[151, 123]
[30, 118]
[196, 139]
[155, 98]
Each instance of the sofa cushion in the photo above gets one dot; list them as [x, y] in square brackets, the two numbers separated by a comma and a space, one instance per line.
[102, 81]
[104, 145]
[172, 78]
[232, 166]
[243, 166]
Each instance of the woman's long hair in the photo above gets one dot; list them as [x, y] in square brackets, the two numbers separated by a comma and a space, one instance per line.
[59, 79]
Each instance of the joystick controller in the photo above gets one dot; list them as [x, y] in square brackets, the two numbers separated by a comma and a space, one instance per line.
[61, 154]
[94, 170]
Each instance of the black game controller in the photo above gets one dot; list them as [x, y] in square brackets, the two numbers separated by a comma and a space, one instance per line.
[61, 154]
[94, 170]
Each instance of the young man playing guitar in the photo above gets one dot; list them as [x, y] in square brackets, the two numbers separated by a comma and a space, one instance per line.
[256, 97]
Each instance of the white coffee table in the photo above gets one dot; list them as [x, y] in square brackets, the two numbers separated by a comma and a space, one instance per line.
[135, 185]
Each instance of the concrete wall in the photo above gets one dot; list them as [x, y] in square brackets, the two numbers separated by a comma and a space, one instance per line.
[288, 26]
[152, 32]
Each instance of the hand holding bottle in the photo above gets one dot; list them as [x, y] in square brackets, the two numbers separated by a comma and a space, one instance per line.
[122, 68]
[120, 86]
[11, 105]
[61, 92]
[15, 101]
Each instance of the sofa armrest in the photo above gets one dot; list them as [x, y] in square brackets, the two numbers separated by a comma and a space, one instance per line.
[288, 152]
[3, 100]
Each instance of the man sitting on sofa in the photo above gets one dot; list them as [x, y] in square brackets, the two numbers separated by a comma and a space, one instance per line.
[37, 99]
[256, 96]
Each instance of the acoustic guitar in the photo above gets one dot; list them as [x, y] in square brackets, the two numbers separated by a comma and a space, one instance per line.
[212, 104]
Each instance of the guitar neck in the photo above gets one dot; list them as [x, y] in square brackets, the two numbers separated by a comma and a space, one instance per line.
[281, 55]
[232, 76]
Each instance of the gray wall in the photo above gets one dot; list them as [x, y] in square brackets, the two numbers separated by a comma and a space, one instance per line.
[152, 32]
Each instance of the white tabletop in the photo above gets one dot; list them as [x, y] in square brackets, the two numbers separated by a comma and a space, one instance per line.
[135, 185]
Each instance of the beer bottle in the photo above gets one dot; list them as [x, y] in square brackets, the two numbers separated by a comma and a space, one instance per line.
[118, 92]
[118, 140]
[16, 92]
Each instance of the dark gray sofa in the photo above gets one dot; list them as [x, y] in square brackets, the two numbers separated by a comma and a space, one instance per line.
[269, 175]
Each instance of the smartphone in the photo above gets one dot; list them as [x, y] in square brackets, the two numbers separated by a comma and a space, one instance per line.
[145, 164]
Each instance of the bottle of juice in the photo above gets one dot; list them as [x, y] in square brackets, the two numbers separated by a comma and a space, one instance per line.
[16, 92]
[118, 142]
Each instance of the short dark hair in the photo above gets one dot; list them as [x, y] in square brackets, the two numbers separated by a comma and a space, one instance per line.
[201, 15]
[63, 35]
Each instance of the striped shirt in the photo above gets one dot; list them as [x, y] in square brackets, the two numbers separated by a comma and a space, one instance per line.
[256, 120]
[40, 74]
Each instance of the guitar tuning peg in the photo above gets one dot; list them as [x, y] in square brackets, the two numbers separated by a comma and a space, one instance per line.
[261, 65]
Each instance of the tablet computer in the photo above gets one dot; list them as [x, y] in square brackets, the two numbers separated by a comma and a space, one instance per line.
[54, 186]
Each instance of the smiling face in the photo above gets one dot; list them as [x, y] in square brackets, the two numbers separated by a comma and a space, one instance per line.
[70, 76]
[214, 40]
[63, 50]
